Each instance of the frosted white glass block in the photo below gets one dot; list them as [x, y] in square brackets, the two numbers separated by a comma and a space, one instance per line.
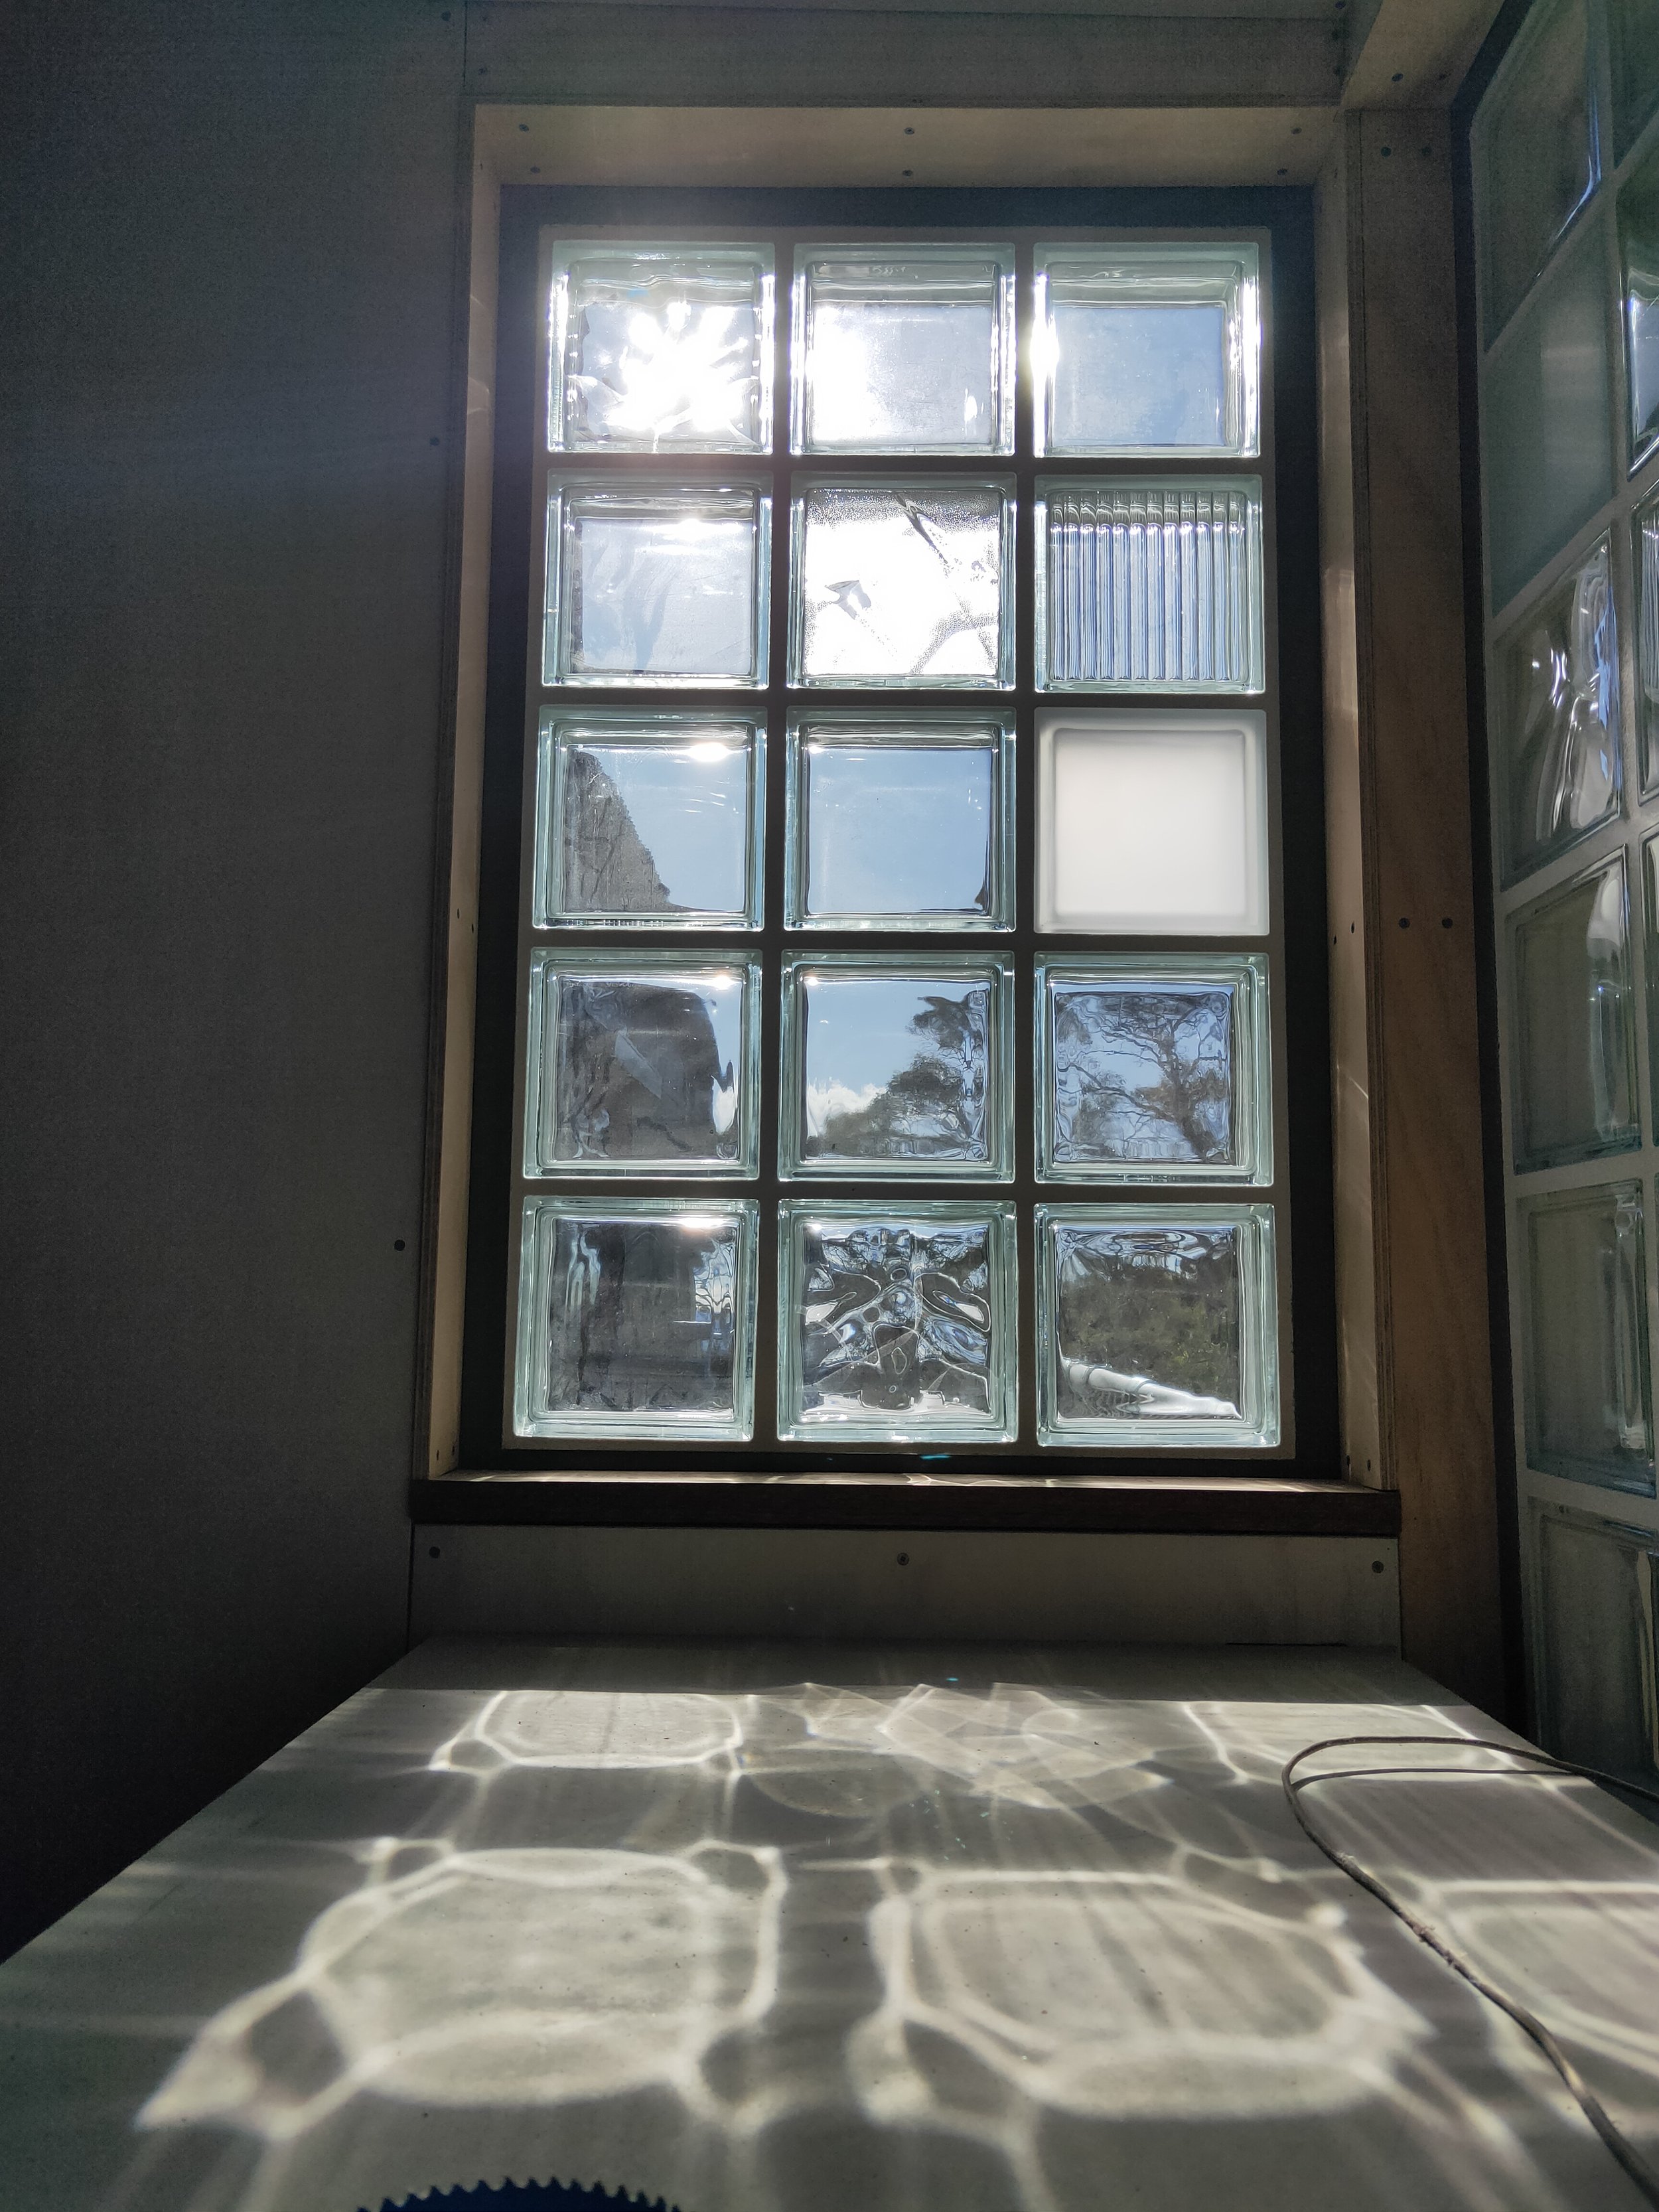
[1555, 718]
[1534, 154]
[1584, 1359]
[657, 586]
[1596, 1588]
[1152, 823]
[904, 349]
[1639, 255]
[636, 1320]
[1146, 586]
[905, 584]
[1572, 1075]
[1646, 566]
[660, 348]
[1151, 349]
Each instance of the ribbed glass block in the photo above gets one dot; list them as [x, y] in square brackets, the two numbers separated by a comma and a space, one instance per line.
[1153, 349]
[1633, 36]
[660, 348]
[1157, 1328]
[1145, 585]
[907, 584]
[1646, 564]
[903, 349]
[657, 587]
[1152, 823]
[1596, 1587]
[1585, 1354]
[896, 1067]
[636, 1320]
[641, 1064]
[1154, 1068]
[899, 822]
[896, 1325]
[1573, 1080]
[1638, 261]
[1534, 154]
[1555, 718]
[648, 821]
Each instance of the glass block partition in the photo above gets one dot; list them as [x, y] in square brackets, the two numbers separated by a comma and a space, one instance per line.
[901, 856]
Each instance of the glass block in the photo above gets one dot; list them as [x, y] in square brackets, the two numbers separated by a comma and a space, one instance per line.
[1157, 1329]
[660, 348]
[899, 824]
[1645, 560]
[1595, 1620]
[1144, 585]
[1153, 824]
[1534, 154]
[896, 1324]
[636, 1318]
[1585, 1357]
[641, 1064]
[903, 583]
[1633, 37]
[1638, 262]
[1547, 422]
[903, 349]
[1572, 1076]
[896, 1067]
[648, 822]
[666, 586]
[1555, 704]
[1151, 349]
[1154, 1069]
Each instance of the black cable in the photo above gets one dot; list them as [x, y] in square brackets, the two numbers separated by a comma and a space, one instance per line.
[1641, 2173]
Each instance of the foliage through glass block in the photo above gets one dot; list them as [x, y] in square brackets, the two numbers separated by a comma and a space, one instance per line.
[1585, 1357]
[1573, 1062]
[1556, 712]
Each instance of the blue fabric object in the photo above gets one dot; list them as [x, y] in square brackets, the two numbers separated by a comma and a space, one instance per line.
[523, 2196]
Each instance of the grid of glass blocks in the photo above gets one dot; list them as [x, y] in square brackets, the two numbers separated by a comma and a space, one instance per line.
[896, 1324]
[1534, 155]
[1646, 568]
[648, 821]
[1157, 1326]
[1588, 1411]
[1638, 257]
[1147, 349]
[1154, 1068]
[1574, 1024]
[636, 1318]
[899, 822]
[903, 349]
[641, 1064]
[1555, 718]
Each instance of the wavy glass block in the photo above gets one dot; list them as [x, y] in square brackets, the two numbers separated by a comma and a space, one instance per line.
[896, 1324]
[1534, 151]
[896, 1067]
[1145, 585]
[1645, 565]
[1638, 263]
[1154, 1069]
[648, 822]
[1589, 1414]
[1152, 823]
[906, 584]
[656, 587]
[1157, 1328]
[1633, 37]
[660, 348]
[1573, 1075]
[636, 1318]
[1596, 1588]
[1153, 349]
[899, 824]
[903, 349]
[641, 1064]
[1555, 701]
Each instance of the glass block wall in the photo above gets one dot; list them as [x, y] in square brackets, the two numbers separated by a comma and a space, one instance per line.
[899, 1064]
[1565, 151]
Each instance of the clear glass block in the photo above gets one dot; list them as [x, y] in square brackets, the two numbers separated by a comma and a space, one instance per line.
[648, 821]
[898, 1067]
[1646, 563]
[1153, 349]
[660, 586]
[1638, 262]
[899, 822]
[1143, 585]
[1546, 419]
[1154, 1068]
[1534, 158]
[1572, 1077]
[1153, 824]
[1633, 36]
[1585, 1354]
[903, 583]
[660, 348]
[1555, 717]
[641, 1064]
[1595, 1608]
[1157, 1328]
[903, 349]
[636, 1318]
[896, 1325]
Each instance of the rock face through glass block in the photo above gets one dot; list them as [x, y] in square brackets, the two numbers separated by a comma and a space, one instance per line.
[1596, 1588]
[896, 1326]
[1639, 256]
[1588, 1413]
[1534, 154]
[1556, 710]
[1574, 1075]
[1645, 556]
[636, 1318]
[1143, 585]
